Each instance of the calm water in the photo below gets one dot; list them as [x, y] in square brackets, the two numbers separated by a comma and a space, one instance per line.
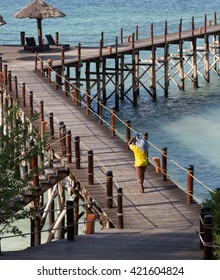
[186, 122]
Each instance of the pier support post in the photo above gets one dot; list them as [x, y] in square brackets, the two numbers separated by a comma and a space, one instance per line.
[190, 181]
[166, 70]
[109, 189]
[194, 63]
[206, 59]
[153, 73]
[134, 85]
[70, 220]
[104, 81]
[87, 87]
[116, 84]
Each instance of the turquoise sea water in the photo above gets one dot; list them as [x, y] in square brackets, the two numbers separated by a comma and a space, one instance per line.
[187, 123]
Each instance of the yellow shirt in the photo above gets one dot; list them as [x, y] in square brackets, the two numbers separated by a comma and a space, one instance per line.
[139, 156]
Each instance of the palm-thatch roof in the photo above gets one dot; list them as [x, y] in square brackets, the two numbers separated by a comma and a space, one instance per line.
[39, 9]
[2, 21]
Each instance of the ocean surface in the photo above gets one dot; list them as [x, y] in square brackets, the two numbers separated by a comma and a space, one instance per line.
[187, 122]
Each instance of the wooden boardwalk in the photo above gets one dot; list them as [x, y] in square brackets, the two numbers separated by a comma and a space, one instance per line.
[158, 223]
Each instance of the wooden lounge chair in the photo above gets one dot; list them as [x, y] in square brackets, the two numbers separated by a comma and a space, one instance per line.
[52, 42]
[32, 46]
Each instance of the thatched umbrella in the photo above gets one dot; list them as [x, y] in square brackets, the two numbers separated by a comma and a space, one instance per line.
[2, 22]
[38, 9]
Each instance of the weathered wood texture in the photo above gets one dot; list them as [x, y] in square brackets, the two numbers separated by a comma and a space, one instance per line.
[158, 224]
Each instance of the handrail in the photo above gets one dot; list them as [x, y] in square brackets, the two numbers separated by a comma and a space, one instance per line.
[99, 103]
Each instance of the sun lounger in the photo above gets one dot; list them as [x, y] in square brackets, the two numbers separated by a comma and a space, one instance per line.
[32, 46]
[52, 42]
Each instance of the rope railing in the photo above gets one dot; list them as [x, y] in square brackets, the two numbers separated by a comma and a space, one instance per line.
[115, 131]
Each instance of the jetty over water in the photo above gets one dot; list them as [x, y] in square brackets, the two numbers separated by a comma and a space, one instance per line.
[161, 223]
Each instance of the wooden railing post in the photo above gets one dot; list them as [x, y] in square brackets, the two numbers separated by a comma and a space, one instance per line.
[208, 237]
[63, 56]
[41, 111]
[120, 208]
[128, 131]
[31, 104]
[16, 86]
[23, 95]
[152, 33]
[164, 163]
[109, 189]
[22, 37]
[5, 74]
[77, 151]
[190, 181]
[36, 60]
[69, 146]
[62, 129]
[9, 81]
[203, 212]
[51, 123]
[90, 168]
[113, 122]
[42, 67]
[49, 65]
[70, 220]
[165, 31]
[79, 51]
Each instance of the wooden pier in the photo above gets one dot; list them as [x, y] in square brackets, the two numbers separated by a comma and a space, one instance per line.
[162, 223]
[121, 70]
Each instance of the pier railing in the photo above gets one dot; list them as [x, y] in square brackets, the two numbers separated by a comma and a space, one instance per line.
[123, 129]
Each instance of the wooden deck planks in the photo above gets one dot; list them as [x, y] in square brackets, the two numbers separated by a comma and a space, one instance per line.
[161, 208]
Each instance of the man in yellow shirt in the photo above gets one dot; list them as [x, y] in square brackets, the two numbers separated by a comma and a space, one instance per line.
[139, 146]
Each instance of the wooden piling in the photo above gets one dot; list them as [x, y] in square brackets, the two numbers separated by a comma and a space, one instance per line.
[87, 87]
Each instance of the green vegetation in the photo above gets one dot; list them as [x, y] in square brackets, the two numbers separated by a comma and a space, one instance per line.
[213, 204]
[15, 154]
